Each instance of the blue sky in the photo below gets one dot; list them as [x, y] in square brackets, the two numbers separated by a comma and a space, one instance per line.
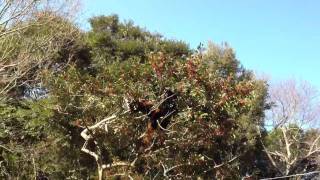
[278, 38]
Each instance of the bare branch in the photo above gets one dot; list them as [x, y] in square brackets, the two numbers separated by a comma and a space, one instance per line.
[295, 175]
[296, 110]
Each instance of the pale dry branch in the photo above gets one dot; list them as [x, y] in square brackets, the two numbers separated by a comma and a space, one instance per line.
[313, 148]
[216, 166]
[166, 170]
[162, 119]
[265, 149]
[290, 176]
[20, 56]
[224, 163]
[88, 135]
[7, 149]
[296, 110]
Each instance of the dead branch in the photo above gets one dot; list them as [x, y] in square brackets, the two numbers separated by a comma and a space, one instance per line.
[314, 148]
[166, 169]
[88, 135]
[295, 175]
[216, 166]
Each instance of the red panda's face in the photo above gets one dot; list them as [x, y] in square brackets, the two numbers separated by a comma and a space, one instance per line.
[134, 106]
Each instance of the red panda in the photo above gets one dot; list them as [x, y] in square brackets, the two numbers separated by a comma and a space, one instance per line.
[165, 110]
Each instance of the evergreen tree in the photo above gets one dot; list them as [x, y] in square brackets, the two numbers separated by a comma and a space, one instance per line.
[213, 123]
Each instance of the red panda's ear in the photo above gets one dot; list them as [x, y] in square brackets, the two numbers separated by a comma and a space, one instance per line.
[147, 103]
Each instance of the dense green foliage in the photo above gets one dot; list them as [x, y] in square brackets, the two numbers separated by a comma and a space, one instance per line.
[215, 132]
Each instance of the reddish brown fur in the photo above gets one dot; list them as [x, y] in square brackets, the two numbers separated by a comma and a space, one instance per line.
[145, 106]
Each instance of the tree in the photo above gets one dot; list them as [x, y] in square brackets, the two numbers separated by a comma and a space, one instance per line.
[112, 40]
[88, 121]
[219, 103]
[293, 143]
[42, 41]
[22, 45]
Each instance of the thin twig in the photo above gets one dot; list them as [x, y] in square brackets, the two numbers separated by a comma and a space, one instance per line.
[295, 175]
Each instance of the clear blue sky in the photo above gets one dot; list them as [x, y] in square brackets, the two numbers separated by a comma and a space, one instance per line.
[280, 38]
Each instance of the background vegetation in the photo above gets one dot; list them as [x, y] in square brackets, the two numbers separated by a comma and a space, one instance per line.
[64, 96]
